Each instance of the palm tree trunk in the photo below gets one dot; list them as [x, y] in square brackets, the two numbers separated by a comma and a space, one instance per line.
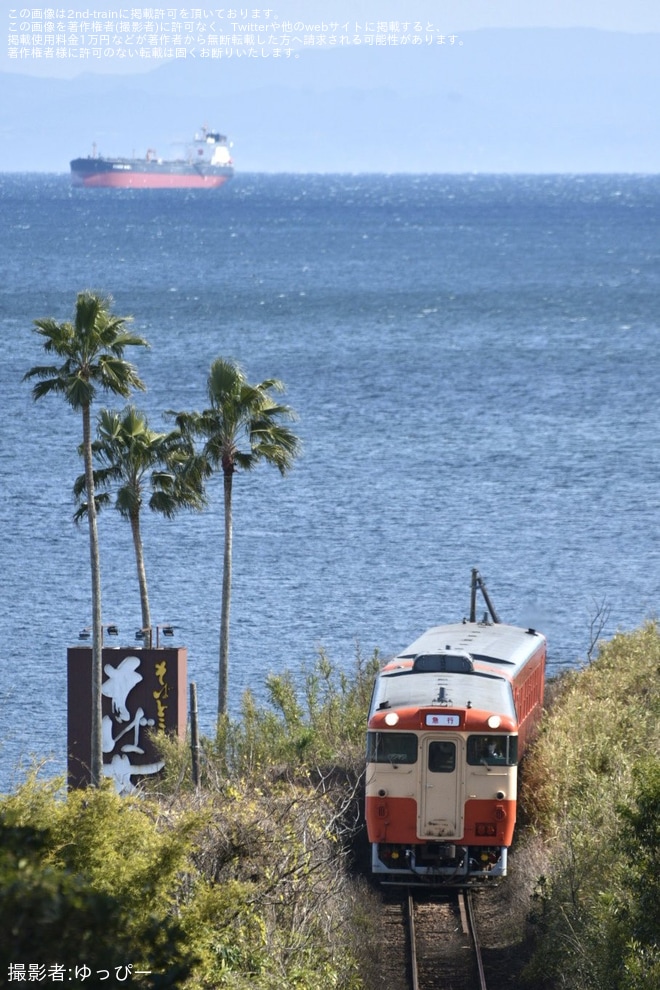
[96, 767]
[226, 599]
[142, 577]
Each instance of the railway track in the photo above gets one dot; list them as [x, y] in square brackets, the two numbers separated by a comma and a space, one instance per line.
[444, 951]
[428, 941]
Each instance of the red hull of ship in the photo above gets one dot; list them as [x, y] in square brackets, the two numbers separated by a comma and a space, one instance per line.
[138, 180]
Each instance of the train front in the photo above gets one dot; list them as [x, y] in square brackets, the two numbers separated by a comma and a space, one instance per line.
[441, 780]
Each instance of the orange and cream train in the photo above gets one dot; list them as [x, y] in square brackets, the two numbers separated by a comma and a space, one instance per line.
[449, 721]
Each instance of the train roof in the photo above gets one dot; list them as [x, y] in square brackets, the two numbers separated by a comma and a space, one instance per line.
[463, 665]
[404, 688]
[509, 646]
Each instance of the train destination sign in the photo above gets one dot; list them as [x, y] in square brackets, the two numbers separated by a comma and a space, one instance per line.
[446, 721]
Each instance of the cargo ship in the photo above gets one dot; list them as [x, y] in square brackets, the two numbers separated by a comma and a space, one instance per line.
[205, 164]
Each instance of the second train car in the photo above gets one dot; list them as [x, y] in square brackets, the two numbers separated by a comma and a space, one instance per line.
[450, 718]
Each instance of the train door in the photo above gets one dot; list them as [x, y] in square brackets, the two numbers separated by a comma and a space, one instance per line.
[440, 800]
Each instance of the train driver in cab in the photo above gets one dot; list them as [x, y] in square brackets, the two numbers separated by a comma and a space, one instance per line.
[492, 751]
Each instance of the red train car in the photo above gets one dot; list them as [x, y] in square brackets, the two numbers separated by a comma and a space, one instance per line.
[450, 718]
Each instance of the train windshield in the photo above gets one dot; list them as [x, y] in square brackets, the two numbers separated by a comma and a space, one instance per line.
[391, 747]
[492, 751]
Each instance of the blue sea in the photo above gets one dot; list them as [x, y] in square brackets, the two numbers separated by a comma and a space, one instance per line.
[475, 364]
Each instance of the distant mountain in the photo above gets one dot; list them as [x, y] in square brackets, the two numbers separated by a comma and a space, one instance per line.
[504, 101]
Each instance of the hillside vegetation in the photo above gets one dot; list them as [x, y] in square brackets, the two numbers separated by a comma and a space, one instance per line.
[592, 796]
[243, 882]
[252, 880]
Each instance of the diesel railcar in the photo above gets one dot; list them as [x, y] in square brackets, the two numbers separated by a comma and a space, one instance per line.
[449, 721]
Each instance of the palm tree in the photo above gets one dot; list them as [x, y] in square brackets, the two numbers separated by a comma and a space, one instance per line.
[91, 350]
[136, 460]
[242, 427]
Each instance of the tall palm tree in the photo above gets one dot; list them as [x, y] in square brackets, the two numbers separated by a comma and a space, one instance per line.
[141, 465]
[91, 351]
[242, 427]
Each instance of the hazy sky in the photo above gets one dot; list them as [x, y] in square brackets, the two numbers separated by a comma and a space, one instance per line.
[532, 102]
[469, 15]
[457, 15]
[448, 17]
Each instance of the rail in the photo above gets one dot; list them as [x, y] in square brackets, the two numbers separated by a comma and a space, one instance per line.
[439, 932]
[414, 978]
[469, 910]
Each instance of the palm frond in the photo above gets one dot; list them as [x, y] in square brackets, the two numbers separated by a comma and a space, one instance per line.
[59, 337]
[118, 376]
[186, 423]
[225, 379]
[42, 371]
[128, 500]
[79, 392]
[246, 460]
[48, 386]
[101, 499]
[89, 306]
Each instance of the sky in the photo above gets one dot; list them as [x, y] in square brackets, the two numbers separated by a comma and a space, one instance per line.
[512, 102]
[448, 16]
[471, 15]
[458, 15]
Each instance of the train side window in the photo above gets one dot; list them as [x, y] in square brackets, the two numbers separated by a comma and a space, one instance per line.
[492, 751]
[442, 756]
[391, 747]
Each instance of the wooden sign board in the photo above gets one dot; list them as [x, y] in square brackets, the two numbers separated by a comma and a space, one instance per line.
[143, 692]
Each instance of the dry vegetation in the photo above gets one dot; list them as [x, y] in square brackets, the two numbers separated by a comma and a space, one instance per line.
[585, 873]
[255, 879]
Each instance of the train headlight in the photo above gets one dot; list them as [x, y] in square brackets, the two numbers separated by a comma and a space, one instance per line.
[494, 722]
[391, 718]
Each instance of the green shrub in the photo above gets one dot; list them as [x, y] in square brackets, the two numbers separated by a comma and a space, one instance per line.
[240, 883]
[56, 914]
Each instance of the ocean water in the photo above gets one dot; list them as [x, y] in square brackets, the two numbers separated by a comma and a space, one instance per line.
[475, 365]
